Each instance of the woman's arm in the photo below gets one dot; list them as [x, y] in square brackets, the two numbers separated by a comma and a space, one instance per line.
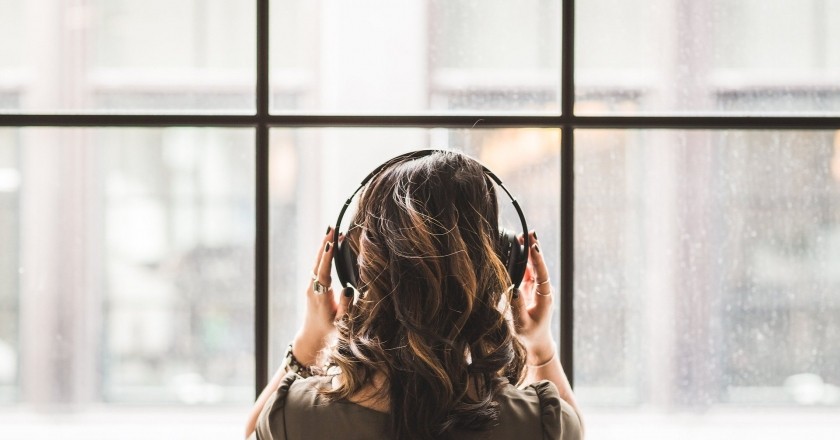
[322, 310]
[551, 370]
[532, 311]
[260, 403]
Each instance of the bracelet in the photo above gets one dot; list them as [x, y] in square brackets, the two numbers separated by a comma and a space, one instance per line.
[544, 363]
[290, 363]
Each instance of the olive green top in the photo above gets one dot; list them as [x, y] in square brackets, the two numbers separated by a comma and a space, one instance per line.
[297, 411]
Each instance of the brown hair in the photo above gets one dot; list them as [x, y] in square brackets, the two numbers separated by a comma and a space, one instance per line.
[429, 321]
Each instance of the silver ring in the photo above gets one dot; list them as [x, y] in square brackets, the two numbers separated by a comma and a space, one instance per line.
[317, 287]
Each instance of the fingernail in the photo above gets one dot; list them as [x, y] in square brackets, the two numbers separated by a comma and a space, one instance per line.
[348, 292]
[535, 235]
[536, 247]
[329, 228]
[327, 248]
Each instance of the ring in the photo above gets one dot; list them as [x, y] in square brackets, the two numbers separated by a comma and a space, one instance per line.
[317, 287]
[550, 291]
[541, 283]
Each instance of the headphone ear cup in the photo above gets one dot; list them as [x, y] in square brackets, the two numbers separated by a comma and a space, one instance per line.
[514, 256]
[346, 265]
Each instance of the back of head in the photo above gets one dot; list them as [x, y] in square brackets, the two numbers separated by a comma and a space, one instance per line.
[426, 231]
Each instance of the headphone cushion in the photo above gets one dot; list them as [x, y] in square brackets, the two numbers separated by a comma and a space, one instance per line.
[347, 265]
[513, 255]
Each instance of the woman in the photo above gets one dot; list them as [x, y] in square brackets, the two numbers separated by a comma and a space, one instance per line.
[435, 342]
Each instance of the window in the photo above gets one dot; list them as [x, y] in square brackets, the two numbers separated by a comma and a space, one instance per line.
[165, 168]
[721, 282]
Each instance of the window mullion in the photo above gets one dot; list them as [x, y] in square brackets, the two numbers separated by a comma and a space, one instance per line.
[261, 246]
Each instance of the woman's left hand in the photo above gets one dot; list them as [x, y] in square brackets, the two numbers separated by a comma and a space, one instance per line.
[321, 312]
[322, 309]
[533, 308]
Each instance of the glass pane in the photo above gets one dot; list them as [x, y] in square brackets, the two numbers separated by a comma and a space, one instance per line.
[9, 254]
[414, 56]
[127, 55]
[131, 278]
[706, 281]
[715, 56]
[313, 171]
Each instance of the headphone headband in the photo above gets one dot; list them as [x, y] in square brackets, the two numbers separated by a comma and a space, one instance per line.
[516, 268]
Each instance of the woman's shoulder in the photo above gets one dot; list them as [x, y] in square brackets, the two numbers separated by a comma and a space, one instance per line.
[297, 393]
[270, 423]
[521, 407]
[298, 410]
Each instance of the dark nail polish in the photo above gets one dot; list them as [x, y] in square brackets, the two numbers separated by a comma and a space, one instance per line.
[327, 248]
[535, 235]
[329, 228]
[348, 292]
[537, 247]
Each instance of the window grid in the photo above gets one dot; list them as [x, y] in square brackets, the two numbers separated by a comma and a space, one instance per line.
[262, 120]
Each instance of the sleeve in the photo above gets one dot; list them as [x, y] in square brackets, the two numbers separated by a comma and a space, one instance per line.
[559, 420]
[271, 424]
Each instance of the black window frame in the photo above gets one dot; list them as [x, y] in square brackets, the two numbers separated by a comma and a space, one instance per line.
[263, 120]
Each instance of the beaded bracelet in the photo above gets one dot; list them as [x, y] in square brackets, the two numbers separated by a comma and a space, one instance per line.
[290, 363]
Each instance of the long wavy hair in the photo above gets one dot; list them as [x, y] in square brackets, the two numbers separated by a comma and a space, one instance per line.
[429, 320]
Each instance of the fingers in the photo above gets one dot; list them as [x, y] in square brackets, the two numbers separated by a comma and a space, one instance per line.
[325, 265]
[542, 284]
[538, 267]
[320, 254]
[527, 284]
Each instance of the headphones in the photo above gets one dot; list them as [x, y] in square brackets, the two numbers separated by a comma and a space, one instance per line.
[514, 254]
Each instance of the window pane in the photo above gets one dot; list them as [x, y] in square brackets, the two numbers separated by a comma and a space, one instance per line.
[382, 56]
[9, 205]
[313, 171]
[127, 55]
[719, 56]
[132, 277]
[706, 280]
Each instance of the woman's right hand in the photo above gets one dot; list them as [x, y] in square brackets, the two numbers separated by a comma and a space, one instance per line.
[532, 309]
